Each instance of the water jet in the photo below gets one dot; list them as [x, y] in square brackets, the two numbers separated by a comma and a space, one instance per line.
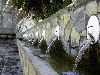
[92, 37]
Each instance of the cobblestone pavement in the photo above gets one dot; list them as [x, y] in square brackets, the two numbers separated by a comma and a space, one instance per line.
[9, 58]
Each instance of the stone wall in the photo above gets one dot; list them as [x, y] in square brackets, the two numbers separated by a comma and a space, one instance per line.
[8, 20]
[7, 16]
[72, 21]
[31, 64]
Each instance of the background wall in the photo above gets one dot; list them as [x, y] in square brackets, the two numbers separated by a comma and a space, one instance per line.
[8, 18]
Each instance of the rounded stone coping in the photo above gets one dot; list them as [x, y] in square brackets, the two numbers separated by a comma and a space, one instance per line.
[41, 66]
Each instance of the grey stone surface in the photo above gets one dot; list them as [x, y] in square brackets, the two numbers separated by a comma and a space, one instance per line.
[41, 66]
[7, 26]
[91, 8]
[78, 19]
[74, 52]
[78, 2]
[9, 58]
[83, 33]
[99, 7]
[75, 37]
[68, 30]
[6, 18]
[98, 17]
[99, 21]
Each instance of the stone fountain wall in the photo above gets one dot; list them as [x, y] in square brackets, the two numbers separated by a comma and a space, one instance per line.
[72, 21]
[8, 19]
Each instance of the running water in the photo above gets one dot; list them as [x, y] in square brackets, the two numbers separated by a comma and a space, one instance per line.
[92, 37]
[57, 37]
[43, 37]
[85, 45]
[40, 41]
[48, 49]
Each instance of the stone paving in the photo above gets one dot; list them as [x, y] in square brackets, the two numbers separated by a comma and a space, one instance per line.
[9, 59]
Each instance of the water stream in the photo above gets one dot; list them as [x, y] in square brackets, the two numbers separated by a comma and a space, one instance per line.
[40, 41]
[65, 65]
[46, 54]
[85, 45]
[48, 49]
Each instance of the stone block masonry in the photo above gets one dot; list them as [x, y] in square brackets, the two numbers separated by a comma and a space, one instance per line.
[72, 21]
[33, 65]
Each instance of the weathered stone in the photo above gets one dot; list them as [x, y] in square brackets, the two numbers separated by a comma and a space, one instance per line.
[37, 27]
[98, 17]
[72, 25]
[54, 21]
[61, 32]
[9, 52]
[42, 68]
[51, 22]
[66, 18]
[48, 25]
[91, 8]
[78, 19]
[78, 2]
[0, 18]
[75, 37]
[60, 22]
[7, 26]
[44, 25]
[73, 52]
[9, 36]
[1, 5]
[67, 32]
[40, 32]
[3, 36]
[83, 33]
[86, 20]
[48, 34]
[82, 39]
[53, 30]
[67, 47]
[99, 7]
[61, 17]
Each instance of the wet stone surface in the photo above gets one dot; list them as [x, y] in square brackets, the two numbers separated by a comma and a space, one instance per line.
[9, 59]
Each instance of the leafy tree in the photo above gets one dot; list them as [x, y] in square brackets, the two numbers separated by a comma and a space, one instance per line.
[41, 8]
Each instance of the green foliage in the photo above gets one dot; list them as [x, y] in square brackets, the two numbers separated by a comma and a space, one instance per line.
[91, 60]
[57, 51]
[43, 47]
[41, 8]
